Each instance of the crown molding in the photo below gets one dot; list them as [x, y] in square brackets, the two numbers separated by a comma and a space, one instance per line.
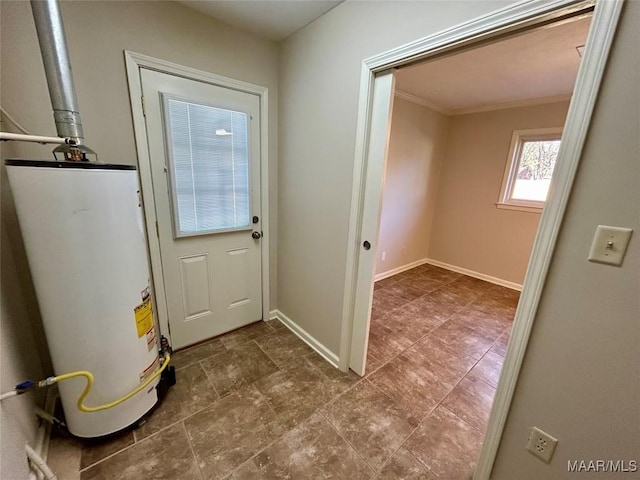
[421, 101]
[484, 108]
[517, 104]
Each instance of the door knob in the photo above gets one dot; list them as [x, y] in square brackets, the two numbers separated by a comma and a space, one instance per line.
[366, 245]
[256, 235]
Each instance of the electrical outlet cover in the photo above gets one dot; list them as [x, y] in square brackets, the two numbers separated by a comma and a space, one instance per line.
[541, 444]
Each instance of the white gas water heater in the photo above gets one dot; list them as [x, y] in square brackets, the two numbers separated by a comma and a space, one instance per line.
[83, 232]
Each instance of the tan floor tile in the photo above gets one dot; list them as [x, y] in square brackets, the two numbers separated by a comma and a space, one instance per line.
[386, 282]
[371, 422]
[237, 367]
[490, 324]
[247, 471]
[313, 450]
[386, 342]
[404, 466]
[471, 400]
[441, 274]
[245, 334]
[447, 445]
[500, 346]
[405, 276]
[425, 267]
[334, 374]
[426, 284]
[295, 394]
[488, 368]
[451, 295]
[165, 456]
[503, 311]
[404, 290]
[447, 363]
[185, 357]
[231, 431]
[284, 348]
[278, 393]
[505, 294]
[384, 302]
[372, 364]
[276, 324]
[470, 283]
[95, 450]
[64, 457]
[497, 309]
[408, 324]
[432, 310]
[496, 305]
[461, 337]
[191, 393]
[413, 386]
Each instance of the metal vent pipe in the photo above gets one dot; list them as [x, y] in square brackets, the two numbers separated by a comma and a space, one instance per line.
[57, 67]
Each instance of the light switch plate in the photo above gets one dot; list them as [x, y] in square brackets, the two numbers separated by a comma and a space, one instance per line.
[609, 245]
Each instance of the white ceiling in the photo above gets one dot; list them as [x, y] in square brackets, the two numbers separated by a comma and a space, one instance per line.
[271, 19]
[539, 64]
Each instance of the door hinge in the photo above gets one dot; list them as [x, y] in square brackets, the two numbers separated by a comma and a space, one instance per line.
[144, 109]
[157, 230]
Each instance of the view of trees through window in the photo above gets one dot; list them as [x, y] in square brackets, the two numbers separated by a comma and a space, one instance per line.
[535, 168]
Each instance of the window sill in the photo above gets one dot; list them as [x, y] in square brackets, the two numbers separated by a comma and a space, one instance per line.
[520, 208]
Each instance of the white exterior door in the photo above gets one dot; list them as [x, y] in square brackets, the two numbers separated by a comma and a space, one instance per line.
[204, 148]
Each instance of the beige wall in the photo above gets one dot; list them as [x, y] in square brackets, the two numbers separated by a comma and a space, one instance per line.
[580, 380]
[97, 34]
[469, 231]
[416, 145]
[320, 73]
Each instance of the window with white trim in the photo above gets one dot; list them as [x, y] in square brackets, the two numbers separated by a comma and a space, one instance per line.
[208, 167]
[531, 161]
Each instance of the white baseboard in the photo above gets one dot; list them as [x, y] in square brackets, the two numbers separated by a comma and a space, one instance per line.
[307, 338]
[403, 268]
[471, 273]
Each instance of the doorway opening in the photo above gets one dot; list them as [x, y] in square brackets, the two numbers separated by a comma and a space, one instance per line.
[372, 148]
[452, 250]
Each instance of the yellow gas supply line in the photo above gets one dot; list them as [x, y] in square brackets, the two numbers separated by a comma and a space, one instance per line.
[87, 388]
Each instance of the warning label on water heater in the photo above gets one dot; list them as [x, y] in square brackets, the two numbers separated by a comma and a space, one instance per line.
[149, 370]
[151, 339]
[144, 317]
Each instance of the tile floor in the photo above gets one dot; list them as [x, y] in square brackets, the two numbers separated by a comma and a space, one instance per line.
[258, 403]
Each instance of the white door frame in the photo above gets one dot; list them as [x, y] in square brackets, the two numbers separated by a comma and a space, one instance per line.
[136, 61]
[357, 291]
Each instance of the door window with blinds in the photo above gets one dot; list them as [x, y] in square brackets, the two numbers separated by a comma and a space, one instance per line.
[208, 155]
